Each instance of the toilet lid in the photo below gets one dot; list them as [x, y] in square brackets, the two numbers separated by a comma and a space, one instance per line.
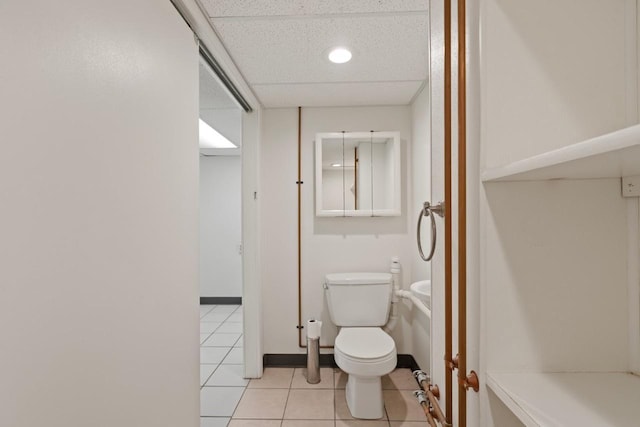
[364, 343]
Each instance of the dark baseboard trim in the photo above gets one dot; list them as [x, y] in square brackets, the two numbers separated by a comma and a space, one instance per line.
[295, 360]
[405, 361]
[221, 300]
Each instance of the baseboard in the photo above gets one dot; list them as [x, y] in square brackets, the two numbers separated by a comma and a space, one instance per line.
[295, 360]
[221, 300]
[405, 361]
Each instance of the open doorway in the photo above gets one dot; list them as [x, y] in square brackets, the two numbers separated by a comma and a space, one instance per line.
[220, 126]
[221, 312]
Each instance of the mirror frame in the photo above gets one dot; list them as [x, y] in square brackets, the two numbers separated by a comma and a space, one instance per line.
[395, 209]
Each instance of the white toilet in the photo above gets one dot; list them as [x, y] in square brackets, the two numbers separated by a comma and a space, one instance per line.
[359, 303]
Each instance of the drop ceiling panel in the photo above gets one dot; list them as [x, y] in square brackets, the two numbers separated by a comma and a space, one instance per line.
[287, 50]
[234, 8]
[337, 94]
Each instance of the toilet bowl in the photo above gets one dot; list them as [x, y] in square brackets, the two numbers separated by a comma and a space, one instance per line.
[365, 354]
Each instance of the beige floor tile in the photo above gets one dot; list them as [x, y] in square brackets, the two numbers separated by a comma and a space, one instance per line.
[300, 379]
[307, 423]
[342, 410]
[309, 405]
[340, 379]
[262, 404]
[254, 423]
[407, 423]
[273, 378]
[400, 379]
[362, 423]
[402, 405]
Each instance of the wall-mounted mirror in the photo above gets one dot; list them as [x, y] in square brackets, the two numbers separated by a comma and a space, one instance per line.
[358, 174]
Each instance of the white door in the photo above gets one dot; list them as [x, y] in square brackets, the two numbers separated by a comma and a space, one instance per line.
[99, 218]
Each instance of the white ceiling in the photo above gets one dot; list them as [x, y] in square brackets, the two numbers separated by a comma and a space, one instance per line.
[280, 46]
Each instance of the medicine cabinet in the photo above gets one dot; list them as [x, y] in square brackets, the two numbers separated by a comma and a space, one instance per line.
[358, 174]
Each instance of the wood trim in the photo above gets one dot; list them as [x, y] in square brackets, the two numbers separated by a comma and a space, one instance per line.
[299, 184]
[448, 226]
[356, 164]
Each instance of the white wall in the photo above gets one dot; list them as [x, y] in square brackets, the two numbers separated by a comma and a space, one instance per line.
[421, 192]
[220, 226]
[99, 219]
[421, 175]
[552, 89]
[251, 261]
[474, 239]
[546, 279]
[328, 244]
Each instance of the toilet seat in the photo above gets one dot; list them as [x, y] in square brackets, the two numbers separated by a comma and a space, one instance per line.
[365, 351]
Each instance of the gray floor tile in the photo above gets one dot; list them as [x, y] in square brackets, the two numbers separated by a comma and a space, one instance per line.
[214, 421]
[219, 401]
[228, 375]
[235, 357]
[208, 327]
[230, 328]
[221, 340]
[206, 371]
[213, 355]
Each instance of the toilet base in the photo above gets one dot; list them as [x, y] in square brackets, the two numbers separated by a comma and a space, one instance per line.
[364, 397]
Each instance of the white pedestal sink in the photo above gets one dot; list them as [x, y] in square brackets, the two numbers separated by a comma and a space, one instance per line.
[422, 291]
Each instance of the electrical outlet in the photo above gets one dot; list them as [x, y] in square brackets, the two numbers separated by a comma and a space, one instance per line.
[631, 186]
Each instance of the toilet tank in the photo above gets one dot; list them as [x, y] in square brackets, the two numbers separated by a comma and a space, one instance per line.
[358, 299]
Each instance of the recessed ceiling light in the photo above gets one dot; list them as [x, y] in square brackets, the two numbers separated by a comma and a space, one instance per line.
[335, 165]
[211, 138]
[340, 55]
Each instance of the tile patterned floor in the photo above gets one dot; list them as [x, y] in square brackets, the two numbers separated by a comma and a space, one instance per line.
[282, 397]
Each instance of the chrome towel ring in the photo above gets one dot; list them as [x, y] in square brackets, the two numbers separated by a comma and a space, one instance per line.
[428, 210]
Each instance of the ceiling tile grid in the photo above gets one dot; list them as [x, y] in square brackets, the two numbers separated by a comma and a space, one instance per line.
[295, 50]
[281, 48]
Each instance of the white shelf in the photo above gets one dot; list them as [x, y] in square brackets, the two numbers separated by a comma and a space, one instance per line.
[570, 399]
[612, 155]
